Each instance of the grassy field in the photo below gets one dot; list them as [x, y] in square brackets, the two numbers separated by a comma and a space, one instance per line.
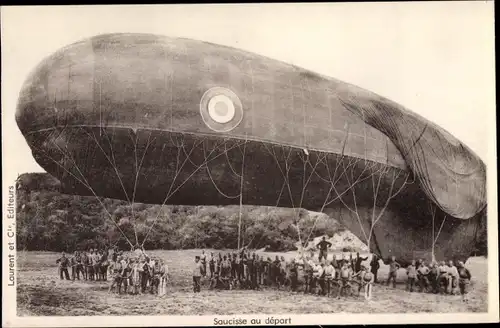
[41, 293]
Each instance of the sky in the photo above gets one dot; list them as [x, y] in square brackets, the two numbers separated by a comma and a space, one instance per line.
[436, 59]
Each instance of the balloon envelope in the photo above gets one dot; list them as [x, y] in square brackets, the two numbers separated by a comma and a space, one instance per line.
[152, 119]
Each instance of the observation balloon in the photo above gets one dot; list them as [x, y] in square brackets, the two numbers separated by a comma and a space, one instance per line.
[154, 119]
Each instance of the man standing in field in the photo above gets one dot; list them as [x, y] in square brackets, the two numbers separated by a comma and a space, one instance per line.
[63, 262]
[218, 263]
[453, 278]
[444, 277]
[367, 279]
[261, 270]
[358, 261]
[197, 275]
[125, 277]
[164, 278]
[345, 277]
[393, 271]
[253, 272]
[374, 266]
[155, 280]
[95, 264]
[464, 280]
[240, 268]
[329, 277]
[145, 274]
[104, 265]
[276, 271]
[256, 272]
[85, 261]
[257, 269]
[317, 271]
[434, 277]
[211, 265]
[234, 266]
[293, 275]
[423, 276]
[135, 275]
[203, 260]
[90, 266]
[323, 248]
[116, 273]
[321, 278]
[309, 274]
[225, 270]
[282, 272]
[411, 272]
[248, 274]
[76, 266]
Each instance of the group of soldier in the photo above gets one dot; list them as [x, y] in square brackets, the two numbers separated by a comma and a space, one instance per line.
[91, 265]
[130, 273]
[346, 275]
[435, 278]
[138, 273]
[245, 270]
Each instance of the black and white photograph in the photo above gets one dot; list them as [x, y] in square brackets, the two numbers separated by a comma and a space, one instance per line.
[249, 164]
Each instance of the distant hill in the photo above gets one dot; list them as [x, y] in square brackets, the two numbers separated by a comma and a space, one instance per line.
[50, 220]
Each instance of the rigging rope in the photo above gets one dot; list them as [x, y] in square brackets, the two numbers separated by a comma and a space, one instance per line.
[84, 183]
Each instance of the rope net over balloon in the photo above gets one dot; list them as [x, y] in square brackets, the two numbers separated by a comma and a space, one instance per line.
[314, 165]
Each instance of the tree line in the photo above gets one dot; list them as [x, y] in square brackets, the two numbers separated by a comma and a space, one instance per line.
[51, 221]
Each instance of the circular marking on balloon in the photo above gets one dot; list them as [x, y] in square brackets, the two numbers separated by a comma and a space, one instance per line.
[221, 109]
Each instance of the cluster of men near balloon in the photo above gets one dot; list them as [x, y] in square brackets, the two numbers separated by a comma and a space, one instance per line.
[138, 273]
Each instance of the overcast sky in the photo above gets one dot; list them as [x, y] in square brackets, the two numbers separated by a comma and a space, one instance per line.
[436, 59]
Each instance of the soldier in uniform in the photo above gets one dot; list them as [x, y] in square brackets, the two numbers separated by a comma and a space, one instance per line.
[308, 274]
[464, 280]
[357, 262]
[85, 261]
[329, 277]
[89, 265]
[323, 249]
[197, 274]
[253, 272]
[203, 260]
[116, 269]
[156, 275]
[145, 274]
[393, 269]
[211, 265]
[63, 262]
[423, 276]
[294, 273]
[411, 272]
[76, 266]
[125, 276]
[135, 276]
[367, 279]
[276, 271]
[164, 278]
[434, 277]
[257, 270]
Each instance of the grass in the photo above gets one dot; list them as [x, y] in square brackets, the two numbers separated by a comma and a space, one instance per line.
[41, 293]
